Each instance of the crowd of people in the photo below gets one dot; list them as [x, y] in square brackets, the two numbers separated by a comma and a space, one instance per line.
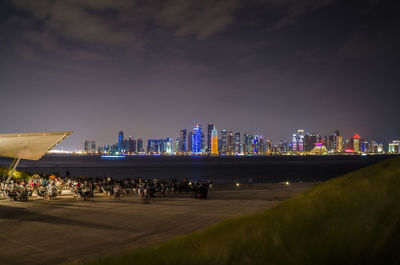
[49, 187]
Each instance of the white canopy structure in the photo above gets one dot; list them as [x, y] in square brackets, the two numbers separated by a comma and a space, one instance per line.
[30, 146]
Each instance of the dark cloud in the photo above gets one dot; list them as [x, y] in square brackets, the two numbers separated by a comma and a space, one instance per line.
[198, 18]
[154, 67]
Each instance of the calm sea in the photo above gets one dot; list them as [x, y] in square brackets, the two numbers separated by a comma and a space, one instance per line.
[221, 169]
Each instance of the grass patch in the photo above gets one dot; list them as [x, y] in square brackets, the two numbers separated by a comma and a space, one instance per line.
[353, 219]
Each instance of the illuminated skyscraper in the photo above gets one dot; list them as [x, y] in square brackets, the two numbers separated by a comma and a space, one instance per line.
[203, 143]
[364, 146]
[131, 146]
[283, 146]
[248, 145]
[189, 146]
[153, 146]
[393, 147]
[159, 146]
[269, 147]
[373, 146]
[107, 149]
[196, 139]
[300, 136]
[177, 145]
[214, 141]
[301, 143]
[87, 146]
[356, 143]
[237, 146]
[223, 141]
[210, 127]
[125, 146]
[167, 146]
[120, 141]
[140, 146]
[339, 144]
[93, 147]
[379, 148]
[309, 141]
[90, 147]
[229, 143]
[182, 142]
[294, 143]
[258, 144]
[100, 150]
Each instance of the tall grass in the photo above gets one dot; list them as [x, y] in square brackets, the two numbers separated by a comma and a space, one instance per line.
[353, 219]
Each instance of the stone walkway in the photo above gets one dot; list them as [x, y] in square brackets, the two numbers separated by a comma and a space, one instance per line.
[65, 230]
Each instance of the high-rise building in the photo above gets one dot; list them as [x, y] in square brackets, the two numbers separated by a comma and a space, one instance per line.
[248, 145]
[182, 142]
[86, 147]
[229, 143]
[100, 150]
[300, 140]
[223, 141]
[309, 141]
[294, 143]
[90, 146]
[196, 139]
[131, 145]
[120, 141]
[203, 143]
[258, 144]
[283, 147]
[159, 146]
[319, 139]
[339, 144]
[373, 147]
[301, 144]
[214, 141]
[379, 148]
[140, 146]
[189, 146]
[268, 147]
[125, 146]
[275, 149]
[114, 149]
[394, 147]
[331, 146]
[355, 140]
[152, 146]
[210, 127]
[107, 149]
[177, 145]
[237, 145]
[93, 147]
[364, 146]
[167, 146]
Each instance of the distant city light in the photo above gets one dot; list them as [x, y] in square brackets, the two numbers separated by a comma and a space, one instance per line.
[195, 143]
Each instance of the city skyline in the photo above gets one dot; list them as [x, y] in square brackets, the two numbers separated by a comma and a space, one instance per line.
[151, 67]
[197, 142]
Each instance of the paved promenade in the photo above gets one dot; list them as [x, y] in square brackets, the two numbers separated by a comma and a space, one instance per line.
[65, 230]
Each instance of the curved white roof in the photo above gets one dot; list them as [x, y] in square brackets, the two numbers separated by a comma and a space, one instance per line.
[30, 146]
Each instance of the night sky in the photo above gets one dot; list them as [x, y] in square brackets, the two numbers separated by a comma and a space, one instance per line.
[151, 68]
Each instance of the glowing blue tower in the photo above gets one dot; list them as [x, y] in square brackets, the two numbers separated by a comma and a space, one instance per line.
[196, 139]
[121, 142]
